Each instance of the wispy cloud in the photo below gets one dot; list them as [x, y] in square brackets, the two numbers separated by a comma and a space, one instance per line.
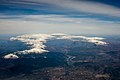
[73, 5]
[92, 17]
[55, 19]
[57, 23]
[85, 6]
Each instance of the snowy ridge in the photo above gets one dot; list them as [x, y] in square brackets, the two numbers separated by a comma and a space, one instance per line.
[36, 41]
[11, 56]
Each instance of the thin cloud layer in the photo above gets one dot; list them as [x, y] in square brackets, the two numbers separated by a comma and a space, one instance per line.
[56, 23]
[72, 5]
[85, 6]
[53, 16]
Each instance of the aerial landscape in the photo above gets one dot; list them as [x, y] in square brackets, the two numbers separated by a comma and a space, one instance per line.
[59, 40]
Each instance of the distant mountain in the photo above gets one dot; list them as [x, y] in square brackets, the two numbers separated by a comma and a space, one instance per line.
[59, 56]
[40, 43]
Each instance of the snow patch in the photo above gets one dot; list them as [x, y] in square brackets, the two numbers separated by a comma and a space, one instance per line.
[11, 56]
[36, 41]
[95, 40]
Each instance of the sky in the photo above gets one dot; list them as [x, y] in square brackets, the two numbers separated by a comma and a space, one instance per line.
[60, 16]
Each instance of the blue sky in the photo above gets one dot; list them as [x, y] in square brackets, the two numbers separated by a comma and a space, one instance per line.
[60, 16]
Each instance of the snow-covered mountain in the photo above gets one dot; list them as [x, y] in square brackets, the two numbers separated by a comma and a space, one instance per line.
[40, 43]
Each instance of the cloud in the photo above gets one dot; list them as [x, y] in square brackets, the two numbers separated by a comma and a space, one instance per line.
[55, 19]
[63, 19]
[56, 23]
[72, 5]
[104, 23]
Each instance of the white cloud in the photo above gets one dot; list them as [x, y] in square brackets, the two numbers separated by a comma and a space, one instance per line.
[68, 5]
[54, 19]
[57, 23]
[74, 5]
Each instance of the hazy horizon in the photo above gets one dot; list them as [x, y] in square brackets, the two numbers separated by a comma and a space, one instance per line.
[99, 17]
